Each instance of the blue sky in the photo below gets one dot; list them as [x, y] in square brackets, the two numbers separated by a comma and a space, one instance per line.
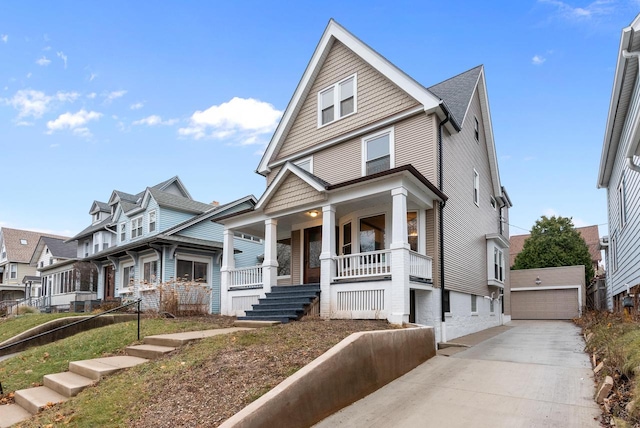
[97, 96]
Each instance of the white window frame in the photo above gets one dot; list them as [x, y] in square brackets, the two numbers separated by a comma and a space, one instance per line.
[365, 140]
[123, 232]
[300, 162]
[193, 258]
[476, 187]
[136, 231]
[126, 284]
[337, 114]
[493, 203]
[154, 222]
[622, 203]
[13, 271]
[498, 261]
[144, 261]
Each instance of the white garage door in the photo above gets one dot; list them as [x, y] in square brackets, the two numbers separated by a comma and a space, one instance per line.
[558, 304]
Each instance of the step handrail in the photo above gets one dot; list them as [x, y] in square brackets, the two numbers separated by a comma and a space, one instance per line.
[135, 302]
[27, 339]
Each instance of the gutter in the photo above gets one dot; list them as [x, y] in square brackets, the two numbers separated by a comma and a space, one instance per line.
[441, 219]
[633, 141]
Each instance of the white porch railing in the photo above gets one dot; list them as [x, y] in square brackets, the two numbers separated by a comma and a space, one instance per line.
[362, 265]
[420, 266]
[246, 277]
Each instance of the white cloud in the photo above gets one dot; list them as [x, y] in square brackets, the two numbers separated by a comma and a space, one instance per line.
[29, 75]
[4, 38]
[538, 60]
[92, 76]
[30, 103]
[592, 10]
[67, 96]
[43, 61]
[92, 95]
[242, 120]
[74, 122]
[46, 48]
[62, 56]
[110, 96]
[154, 120]
[136, 106]
[24, 123]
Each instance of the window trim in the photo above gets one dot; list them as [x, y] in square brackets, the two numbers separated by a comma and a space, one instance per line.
[369, 137]
[336, 100]
[13, 274]
[198, 259]
[123, 232]
[476, 187]
[155, 221]
[139, 229]
[131, 266]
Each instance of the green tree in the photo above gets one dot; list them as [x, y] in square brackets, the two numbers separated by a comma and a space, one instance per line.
[554, 242]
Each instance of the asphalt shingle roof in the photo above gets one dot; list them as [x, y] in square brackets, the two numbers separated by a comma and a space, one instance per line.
[170, 200]
[457, 91]
[18, 252]
[93, 228]
[59, 249]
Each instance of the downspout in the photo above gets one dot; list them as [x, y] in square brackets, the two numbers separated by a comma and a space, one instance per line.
[441, 225]
[633, 147]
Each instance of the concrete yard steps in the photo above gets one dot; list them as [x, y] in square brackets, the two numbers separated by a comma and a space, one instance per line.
[12, 414]
[34, 399]
[59, 387]
[150, 352]
[68, 384]
[97, 368]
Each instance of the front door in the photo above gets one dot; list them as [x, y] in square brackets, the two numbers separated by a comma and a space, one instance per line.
[109, 283]
[312, 250]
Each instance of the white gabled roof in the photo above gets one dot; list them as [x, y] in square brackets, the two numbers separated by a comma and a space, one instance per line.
[335, 31]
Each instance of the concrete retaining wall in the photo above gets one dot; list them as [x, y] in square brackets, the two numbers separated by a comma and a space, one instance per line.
[61, 334]
[354, 368]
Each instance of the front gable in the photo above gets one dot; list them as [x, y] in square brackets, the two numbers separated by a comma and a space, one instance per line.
[376, 98]
[292, 191]
[337, 52]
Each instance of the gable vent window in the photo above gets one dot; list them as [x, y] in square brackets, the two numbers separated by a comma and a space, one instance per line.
[476, 188]
[337, 101]
[123, 231]
[476, 129]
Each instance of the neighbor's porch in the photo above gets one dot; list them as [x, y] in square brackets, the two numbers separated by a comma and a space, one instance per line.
[367, 250]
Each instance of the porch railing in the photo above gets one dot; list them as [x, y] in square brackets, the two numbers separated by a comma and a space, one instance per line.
[362, 265]
[245, 277]
[420, 266]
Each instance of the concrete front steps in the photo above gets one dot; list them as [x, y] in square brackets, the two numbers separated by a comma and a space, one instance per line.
[59, 387]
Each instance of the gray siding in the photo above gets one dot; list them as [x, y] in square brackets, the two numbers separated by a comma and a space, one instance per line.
[377, 98]
[465, 224]
[626, 237]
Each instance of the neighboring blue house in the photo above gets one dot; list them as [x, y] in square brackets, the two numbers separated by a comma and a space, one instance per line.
[138, 242]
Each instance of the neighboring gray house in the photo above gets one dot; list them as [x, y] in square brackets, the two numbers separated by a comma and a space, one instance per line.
[385, 193]
[620, 170]
[158, 236]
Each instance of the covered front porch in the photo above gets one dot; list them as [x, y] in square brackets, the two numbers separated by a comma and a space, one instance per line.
[367, 242]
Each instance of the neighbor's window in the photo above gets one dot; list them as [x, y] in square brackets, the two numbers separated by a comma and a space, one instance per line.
[123, 231]
[337, 101]
[136, 227]
[128, 276]
[188, 270]
[498, 264]
[492, 201]
[13, 271]
[284, 257]
[150, 271]
[476, 188]
[152, 221]
[474, 303]
[447, 301]
[476, 129]
[377, 152]
[86, 249]
[372, 233]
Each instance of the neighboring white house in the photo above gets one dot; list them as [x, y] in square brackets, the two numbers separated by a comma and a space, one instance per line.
[620, 170]
[384, 192]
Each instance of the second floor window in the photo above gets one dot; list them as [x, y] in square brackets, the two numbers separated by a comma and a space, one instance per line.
[152, 221]
[13, 271]
[136, 227]
[377, 152]
[123, 232]
[498, 264]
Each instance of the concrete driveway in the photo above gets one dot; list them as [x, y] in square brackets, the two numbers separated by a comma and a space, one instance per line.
[534, 374]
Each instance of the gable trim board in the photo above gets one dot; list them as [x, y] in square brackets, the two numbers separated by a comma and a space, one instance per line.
[335, 31]
[546, 291]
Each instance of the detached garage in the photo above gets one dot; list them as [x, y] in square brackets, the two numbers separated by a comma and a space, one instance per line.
[548, 293]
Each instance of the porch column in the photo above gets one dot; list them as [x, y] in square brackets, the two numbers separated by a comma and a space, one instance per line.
[228, 263]
[327, 265]
[399, 258]
[99, 286]
[270, 263]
